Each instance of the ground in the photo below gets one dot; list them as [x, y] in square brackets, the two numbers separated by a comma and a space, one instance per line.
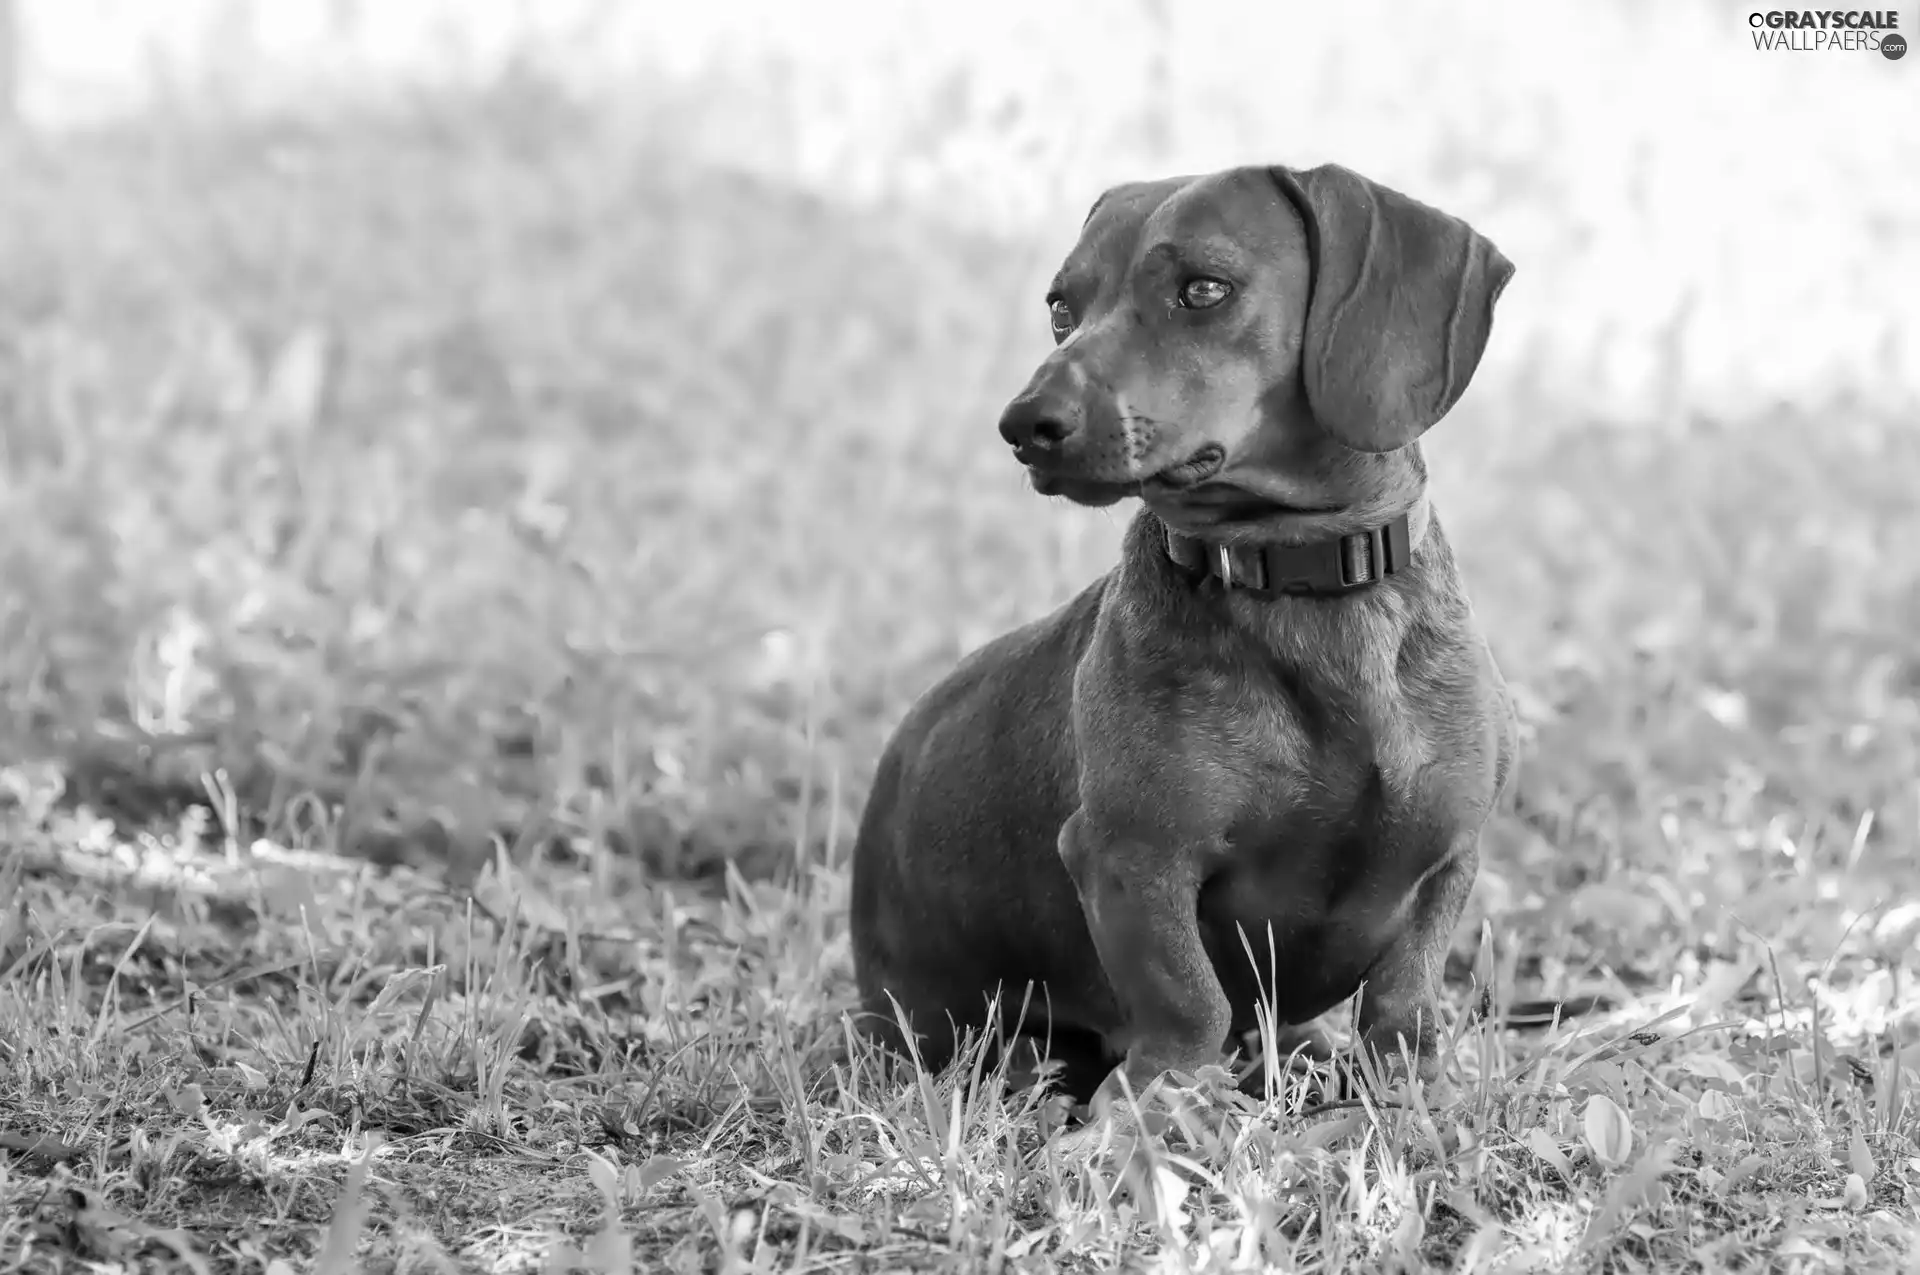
[460, 566]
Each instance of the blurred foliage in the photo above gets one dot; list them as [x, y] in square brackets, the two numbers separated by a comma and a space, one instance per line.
[488, 466]
[442, 467]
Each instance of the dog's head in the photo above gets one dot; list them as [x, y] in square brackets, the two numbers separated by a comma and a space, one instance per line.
[1253, 351]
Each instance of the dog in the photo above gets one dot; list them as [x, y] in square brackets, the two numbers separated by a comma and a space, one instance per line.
[1251, 764]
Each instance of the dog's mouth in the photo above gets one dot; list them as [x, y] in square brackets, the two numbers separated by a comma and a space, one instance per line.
[1185, 478]
[1091, 492]
[1194, 495]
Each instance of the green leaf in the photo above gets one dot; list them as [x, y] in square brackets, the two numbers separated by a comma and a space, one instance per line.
[1740, 1173]
[1608, 1131]
[606, 1179]
[1715, 1105]
[1859, 1159]
[1541, 1143]
[1627, 1192]
[658, 1170]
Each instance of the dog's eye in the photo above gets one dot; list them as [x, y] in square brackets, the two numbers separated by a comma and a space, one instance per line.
[1060, 315]
[1204, 294]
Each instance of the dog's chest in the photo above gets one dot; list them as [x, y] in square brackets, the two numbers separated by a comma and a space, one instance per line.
[1310, 729]
[1306, 745]
[1334, 810]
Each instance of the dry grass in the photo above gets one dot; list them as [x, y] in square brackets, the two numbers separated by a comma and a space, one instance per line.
[473, 558]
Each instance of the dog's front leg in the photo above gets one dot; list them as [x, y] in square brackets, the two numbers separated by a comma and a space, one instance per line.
[1141, 902]
[1399, 1012]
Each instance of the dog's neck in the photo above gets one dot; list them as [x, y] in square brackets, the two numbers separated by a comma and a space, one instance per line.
[1333, 565]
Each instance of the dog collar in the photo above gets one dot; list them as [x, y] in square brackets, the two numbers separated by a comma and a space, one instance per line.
[1325, 566]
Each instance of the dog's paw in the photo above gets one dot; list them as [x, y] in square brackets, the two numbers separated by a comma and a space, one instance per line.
[1175, 1109]
[1099, 1134]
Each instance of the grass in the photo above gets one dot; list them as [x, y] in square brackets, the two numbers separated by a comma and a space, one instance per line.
[460, 565]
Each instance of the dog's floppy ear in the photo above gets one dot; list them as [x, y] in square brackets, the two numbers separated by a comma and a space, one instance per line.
[1401, 306]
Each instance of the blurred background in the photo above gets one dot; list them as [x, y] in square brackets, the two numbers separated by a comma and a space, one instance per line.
[574, 422]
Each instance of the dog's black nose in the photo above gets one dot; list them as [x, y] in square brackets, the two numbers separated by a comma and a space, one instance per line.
[1034, 424]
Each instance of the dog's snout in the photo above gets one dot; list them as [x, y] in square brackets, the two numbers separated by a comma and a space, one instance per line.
[1037, 423]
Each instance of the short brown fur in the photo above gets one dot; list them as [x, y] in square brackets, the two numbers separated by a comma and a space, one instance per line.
[1095, 807]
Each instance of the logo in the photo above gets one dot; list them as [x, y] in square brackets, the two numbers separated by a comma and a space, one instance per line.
[1829, 31]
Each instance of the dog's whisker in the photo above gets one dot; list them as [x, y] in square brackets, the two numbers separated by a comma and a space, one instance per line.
[1129, 436]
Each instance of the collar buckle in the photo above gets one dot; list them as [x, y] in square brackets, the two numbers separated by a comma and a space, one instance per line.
[1387, 550]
